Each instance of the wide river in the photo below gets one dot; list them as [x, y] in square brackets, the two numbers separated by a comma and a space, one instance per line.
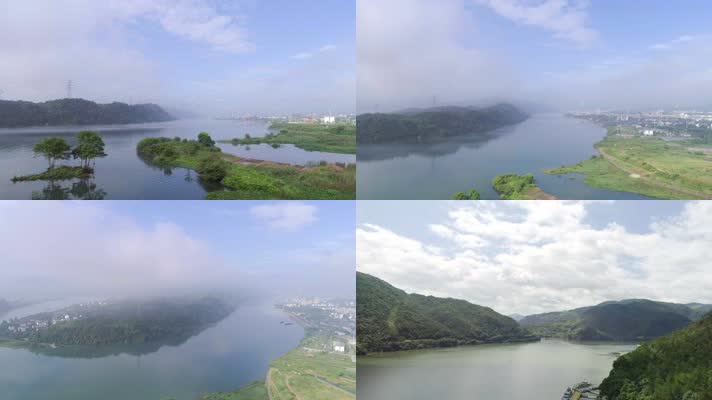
[540, 371]
[122, 175]
[438, 170]
[224, 357]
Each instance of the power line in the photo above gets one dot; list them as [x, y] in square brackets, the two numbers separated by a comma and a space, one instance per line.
[69, 89]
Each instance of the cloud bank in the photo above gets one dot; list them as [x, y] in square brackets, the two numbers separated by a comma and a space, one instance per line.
[532, 257]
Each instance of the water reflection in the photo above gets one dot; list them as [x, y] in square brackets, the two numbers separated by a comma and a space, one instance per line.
[83, 189]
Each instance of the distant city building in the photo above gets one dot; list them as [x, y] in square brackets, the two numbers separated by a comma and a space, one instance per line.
[648, 132]
[329, 119]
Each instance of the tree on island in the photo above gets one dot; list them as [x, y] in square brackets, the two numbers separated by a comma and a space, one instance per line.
[205, 139]
[89, 147]
[471, 195]
[53, 149]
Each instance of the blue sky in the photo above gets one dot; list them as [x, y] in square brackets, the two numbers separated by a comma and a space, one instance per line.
[562, 53]
[211, 56]
[532, 257]
[269, 249]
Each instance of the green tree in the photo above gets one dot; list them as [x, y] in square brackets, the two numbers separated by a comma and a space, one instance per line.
[212, 169]
[53, 149]
[89, 147]
[205, 139]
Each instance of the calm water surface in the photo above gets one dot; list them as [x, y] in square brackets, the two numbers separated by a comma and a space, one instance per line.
[228, 355]
[437, 170]
[122, 175]
[540, 371]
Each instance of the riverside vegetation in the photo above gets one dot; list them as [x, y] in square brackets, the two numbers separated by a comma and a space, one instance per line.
[249, 179]
[89, 147]
[389, 319]
[510, 187]
[310, 137]
[647, 165]
[674, 367]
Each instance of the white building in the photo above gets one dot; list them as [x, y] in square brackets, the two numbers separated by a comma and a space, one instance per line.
[648, 132]
[338, 347]
[329, 119]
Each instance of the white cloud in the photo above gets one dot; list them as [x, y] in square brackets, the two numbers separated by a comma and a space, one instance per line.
[59, 249]
[672, 43]
[531, 257]
[285, 216]
[411, 50]
[565, 18]
[309, 54]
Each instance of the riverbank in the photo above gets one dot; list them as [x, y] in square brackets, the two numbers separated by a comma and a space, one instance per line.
[647, 166]
[309, 371]
[241, 178]
[309, 137]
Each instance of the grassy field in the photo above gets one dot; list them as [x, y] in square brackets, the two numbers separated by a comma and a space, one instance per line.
[250, 179]
[648, 166]
[254, 391]
[310, 137]
[318, 375]
[518, 187]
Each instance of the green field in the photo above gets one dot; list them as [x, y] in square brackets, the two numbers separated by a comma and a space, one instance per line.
[254, 391]
[62, 172]
[318, 375]
[250, 179]
[649, 166]
[310, 137]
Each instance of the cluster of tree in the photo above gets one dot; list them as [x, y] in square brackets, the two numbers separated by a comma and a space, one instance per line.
[77, 112]
[434, 123]
[674, 367]
[130, 322]
[512, 186]
[89, 147]
[625, 320]
[164, 152]
[471, 195]
[389, 319]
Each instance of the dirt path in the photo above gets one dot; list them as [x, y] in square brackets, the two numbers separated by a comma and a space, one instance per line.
[294, 393]
[334, 386]
[538, 194]
[251, 161]
[616, 163]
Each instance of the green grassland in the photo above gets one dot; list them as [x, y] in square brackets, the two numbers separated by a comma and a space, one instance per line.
[310, 137]
[649, 166]
[302, 374]
[254, 391]
[249, 179]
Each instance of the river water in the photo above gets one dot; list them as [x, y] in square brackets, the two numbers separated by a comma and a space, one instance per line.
[541, 371]
[437, 170]
[122, 175]
[224, 357]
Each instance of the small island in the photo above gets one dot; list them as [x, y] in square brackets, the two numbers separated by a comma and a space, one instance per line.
[340, 138]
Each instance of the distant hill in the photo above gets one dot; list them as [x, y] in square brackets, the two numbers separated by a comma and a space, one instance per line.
[389, 319]
[516, 317]
[5, 306]
[674, 367]
[634, 319]
[77, 112]
[422, 125]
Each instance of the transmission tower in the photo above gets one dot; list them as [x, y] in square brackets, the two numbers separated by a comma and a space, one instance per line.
[69, 89]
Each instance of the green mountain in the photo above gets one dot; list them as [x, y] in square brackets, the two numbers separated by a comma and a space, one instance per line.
[674, 367]
[634, 319]
[124, 322]
[434, 123]
[77, 112]
[389, 319]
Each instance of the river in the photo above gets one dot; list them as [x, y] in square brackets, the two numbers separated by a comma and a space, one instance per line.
[224, 357]
[435, 171]
[540, 370]
[122, 175]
